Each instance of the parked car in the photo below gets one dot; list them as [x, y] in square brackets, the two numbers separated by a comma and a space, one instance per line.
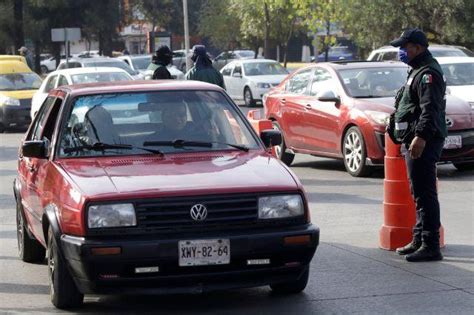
[131, 207]
[89, 54]
[75, 76]
[100, 62]
[250, 79]
[140, 63]
[459, 73]
[340, 110]
[18, 83]
[390, 53]
[49, 64]
[227, 56]
[179, 59]
[335, 53]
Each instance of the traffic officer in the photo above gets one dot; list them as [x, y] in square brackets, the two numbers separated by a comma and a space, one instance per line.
[418, 123]
[203, 69]
[157, 69]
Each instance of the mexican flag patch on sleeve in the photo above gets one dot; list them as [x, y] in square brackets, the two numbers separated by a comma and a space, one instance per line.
[427, 78]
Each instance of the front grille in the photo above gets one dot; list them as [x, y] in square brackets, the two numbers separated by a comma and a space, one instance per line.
[175, 214]
[172, 216]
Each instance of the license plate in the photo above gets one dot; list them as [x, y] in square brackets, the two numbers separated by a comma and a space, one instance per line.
[204, 252]
[453, 142]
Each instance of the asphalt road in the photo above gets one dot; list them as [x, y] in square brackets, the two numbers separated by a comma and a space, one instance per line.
[349, 273]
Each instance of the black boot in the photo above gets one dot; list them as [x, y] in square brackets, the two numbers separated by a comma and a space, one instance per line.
[411, 247]
[425, 253]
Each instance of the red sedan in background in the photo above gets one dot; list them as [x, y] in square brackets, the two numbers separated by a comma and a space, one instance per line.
[340, 110]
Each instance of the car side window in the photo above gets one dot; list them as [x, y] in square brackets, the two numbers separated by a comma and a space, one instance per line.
[51, 84]
[40, 119]
[237, 69]
[227, 70]
[298, 84]
[62, 81]
[390, 55]
[321, 76]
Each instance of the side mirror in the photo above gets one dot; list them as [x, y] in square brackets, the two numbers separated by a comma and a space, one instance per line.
[237, 75]
[35, 149]
[270, 137]
[328, 96]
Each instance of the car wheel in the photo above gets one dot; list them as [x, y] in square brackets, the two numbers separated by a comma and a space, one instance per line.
[292, 287]
[280, 150]
[355, 153]
[464, 166]
[2, 128]
[44, 70]
[63, 291]
[248, 98]
[29, 249]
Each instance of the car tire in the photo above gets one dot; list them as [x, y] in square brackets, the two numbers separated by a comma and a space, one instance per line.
[292, 287]
[29, 249]
[354, 153]
[248, 97]
[2, 128]
[280, 150]
[63, 291]
[44, 70]
[462, 167]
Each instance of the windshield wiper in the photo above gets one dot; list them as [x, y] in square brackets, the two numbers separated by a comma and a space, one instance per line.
[100, 146]
[180, 143]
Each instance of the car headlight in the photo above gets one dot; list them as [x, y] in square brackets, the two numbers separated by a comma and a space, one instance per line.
[380, 118]
[111, 215]
[263, 85]
[276, 207]
[5, 100]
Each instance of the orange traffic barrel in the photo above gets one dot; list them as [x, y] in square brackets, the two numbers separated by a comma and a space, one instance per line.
[398, 205]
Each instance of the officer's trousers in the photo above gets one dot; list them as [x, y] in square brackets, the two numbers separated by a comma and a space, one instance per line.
[422, 174]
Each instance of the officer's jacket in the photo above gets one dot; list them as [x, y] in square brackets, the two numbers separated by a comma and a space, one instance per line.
[421, 103]
[209, 75]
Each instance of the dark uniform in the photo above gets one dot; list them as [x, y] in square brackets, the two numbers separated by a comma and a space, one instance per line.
[420, 112]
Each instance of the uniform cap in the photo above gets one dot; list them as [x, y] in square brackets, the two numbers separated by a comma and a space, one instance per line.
[411, 35]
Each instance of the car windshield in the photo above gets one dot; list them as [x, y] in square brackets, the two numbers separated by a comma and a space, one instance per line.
[99, 77]
[246, 54]
[447, 53]
[117, 64]
[373, 82]
[168, 121]
[263, 68]
[141, 63]
[19, 81]
[459, 73]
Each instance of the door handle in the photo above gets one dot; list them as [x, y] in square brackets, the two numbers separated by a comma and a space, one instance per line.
[283, 101]
[308, 106]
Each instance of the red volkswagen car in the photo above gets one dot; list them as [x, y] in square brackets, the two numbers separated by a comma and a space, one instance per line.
[340, 110]
[149, 186]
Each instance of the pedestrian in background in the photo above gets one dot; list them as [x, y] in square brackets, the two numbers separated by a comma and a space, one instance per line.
[25, 52]
[203, 69]
[161, 59]
[419, 124]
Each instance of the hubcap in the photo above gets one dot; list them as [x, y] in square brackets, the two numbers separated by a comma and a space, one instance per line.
[247, 97]
[353, 151]
[278, 148]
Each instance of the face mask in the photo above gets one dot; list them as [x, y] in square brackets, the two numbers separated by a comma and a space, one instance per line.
[403, 55]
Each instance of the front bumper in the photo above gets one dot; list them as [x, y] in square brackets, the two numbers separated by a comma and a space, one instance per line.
[116, 273]
[16, 115]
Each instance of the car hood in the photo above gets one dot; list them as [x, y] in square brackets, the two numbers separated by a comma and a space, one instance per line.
[273, 79]
[178, 174]
[24, 94]
[462, 91]
[454, 105]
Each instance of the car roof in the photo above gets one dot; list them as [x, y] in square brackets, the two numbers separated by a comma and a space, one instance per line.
[136, 86]
[431, 46]
[13, 66]
[12, 58]
[362, 64]
[72, 71]
[253, 61]
[90, 60]
[449, 60]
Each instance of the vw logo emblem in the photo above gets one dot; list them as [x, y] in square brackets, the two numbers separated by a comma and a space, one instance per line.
[198, 212]
[449, 122]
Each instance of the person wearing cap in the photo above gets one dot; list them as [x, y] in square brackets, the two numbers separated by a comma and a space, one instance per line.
[157, 69]
[419, 124]
[203, 69]
[25, 52]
